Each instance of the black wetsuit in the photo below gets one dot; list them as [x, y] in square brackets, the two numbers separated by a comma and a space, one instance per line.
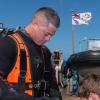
[38, 55]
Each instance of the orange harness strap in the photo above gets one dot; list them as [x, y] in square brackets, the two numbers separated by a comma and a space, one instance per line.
[15, 72]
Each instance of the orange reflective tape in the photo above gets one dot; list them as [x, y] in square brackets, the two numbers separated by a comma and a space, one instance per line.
[14, 74]
[29, 92]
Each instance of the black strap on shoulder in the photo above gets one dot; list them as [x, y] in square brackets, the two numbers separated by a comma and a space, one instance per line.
[23, 68]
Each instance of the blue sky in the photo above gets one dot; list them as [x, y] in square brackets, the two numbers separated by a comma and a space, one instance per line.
[15, 13]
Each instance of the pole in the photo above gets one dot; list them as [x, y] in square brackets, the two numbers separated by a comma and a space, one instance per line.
[73, 47]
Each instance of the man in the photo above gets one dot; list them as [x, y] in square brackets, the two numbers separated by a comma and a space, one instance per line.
[24, 60]
[71, 78]
[89, 88]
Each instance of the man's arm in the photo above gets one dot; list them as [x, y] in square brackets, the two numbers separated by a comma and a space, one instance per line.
[54, 89]
[7, 55]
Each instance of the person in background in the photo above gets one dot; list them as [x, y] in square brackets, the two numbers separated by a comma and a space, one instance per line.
[89, 88]
[25, 62]
[71, 80]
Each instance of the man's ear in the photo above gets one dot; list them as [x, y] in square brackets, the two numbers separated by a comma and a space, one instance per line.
[35, 25]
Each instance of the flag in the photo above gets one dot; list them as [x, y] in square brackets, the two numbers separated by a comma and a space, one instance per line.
[81, 18]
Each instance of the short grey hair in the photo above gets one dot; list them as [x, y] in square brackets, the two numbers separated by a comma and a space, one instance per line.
[91, 83]
[49, 14]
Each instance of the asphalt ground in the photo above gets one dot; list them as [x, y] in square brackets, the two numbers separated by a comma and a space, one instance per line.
[67, 96]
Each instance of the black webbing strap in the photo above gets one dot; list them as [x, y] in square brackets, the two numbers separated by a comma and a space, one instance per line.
[23, 68]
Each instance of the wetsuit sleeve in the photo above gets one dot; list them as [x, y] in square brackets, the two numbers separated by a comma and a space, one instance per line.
[52, 77]
[49, 66]
[7, 55]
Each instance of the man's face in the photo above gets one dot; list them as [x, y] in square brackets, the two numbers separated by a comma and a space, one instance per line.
[44, 33]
